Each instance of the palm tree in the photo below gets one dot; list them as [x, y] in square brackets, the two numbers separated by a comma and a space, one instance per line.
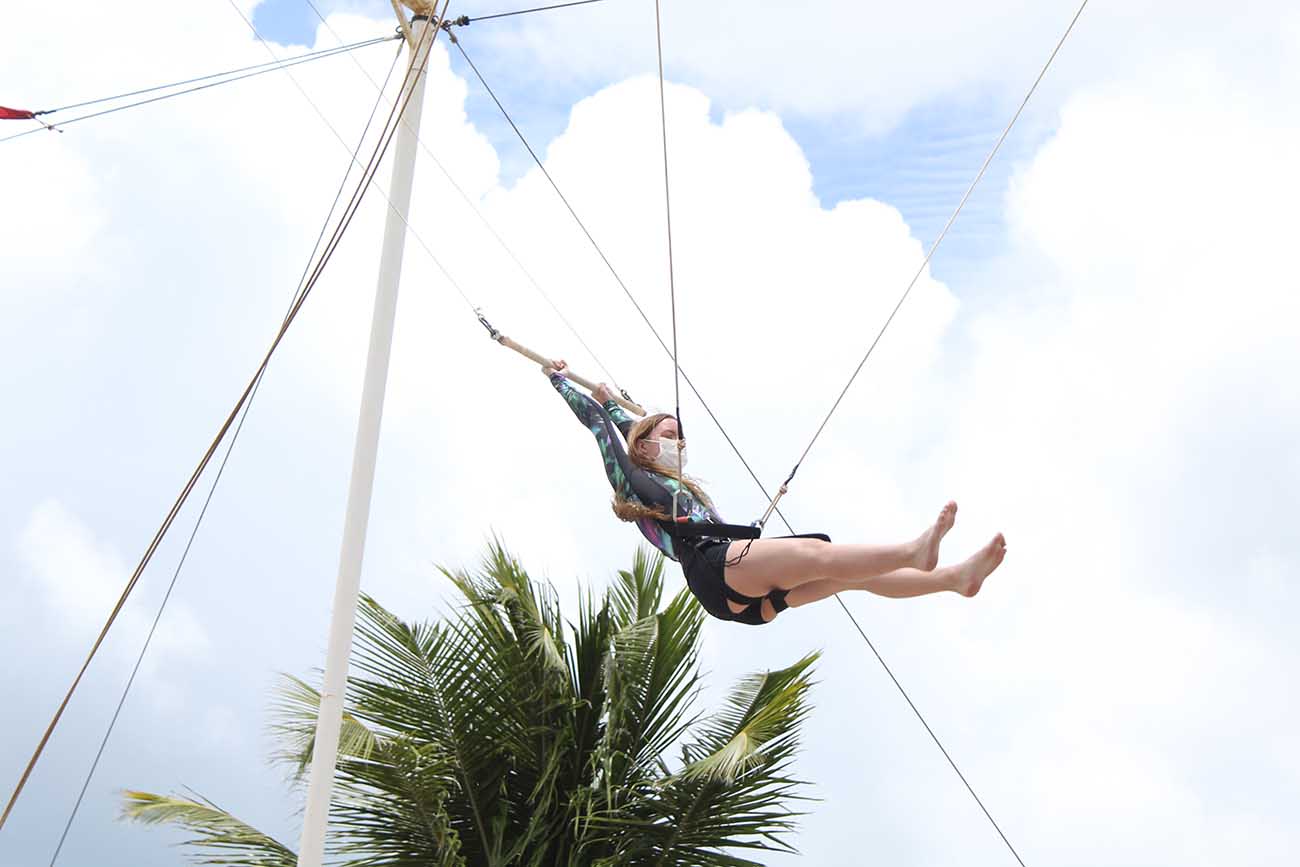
[490, 739]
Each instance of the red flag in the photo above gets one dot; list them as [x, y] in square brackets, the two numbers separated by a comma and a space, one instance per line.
[15, 114]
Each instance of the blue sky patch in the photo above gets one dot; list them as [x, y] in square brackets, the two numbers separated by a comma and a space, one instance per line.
[286, 21]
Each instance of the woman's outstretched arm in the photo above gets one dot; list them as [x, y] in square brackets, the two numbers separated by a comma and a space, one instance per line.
[626, 478]
[605, 398]
[618, 468]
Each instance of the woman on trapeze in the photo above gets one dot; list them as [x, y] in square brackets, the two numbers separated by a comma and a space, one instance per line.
[752, 581]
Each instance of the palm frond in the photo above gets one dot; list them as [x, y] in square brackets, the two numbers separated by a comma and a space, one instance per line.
[651, 689]
[503, 734]
[493, 694]
[637, 593]
[625, 669]
[672, 681]
[222, 838]
[444, 692]
[733, 792]
[392, 808]
[294, 711]
[588, 659]
[761, 713]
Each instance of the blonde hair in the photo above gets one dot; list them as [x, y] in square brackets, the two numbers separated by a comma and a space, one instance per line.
[631, 510]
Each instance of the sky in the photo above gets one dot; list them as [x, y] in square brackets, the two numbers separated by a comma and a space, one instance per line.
[1097, 363]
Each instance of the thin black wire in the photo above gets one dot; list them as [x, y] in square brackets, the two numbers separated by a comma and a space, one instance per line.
[536, 9]
[921, 270]
[325, 120]
[691, 385]
[672, 288]
[942, 234]
[350, 210]
[790, 529]
[94, 765]
[402, 119]
[934, 247]
[555, 187]
[484, 220]
[856, 625]
[929, 730]
[268, 68]
[214, 75]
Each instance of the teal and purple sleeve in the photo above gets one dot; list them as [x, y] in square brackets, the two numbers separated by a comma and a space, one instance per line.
[602, 427]
[621, 419]
[627, 479]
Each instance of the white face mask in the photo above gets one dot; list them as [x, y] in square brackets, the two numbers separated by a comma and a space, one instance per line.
[668, 455]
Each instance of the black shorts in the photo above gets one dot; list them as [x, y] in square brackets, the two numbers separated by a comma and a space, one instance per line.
[704, 561]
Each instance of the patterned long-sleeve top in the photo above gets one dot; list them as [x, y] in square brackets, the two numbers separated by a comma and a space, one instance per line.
[629, 481]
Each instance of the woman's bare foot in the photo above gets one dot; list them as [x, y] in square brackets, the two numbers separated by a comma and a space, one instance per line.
[927, 546]
[969, 576]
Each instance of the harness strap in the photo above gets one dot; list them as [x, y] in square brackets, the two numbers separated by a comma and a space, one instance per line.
[753, 604]
[752, 613]
[684, 528]
[738, 597]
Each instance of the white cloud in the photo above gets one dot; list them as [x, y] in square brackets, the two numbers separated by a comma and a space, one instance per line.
[76, 573]
[81, 578]
[1102, 421]
[868, 66]
[1116, 399]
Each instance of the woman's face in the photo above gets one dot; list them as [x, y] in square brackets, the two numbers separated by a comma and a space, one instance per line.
[666, 429]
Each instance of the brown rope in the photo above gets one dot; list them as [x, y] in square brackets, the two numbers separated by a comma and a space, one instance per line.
[350, 210]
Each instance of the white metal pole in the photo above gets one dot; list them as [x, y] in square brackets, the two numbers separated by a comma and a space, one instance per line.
[329, 721]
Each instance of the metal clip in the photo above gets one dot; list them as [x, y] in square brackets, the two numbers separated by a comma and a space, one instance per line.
[492, 332]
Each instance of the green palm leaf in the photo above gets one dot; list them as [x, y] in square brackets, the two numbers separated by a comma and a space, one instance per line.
[733, 791]
[760, 721]
[227, 839]
[391, 808]
[294, 710]
[440, 692]
[503, 735]
[636, 594]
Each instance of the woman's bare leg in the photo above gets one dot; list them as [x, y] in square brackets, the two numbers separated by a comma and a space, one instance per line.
[814, 591]
[965, 578]
[899, 584]
[788, 563]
